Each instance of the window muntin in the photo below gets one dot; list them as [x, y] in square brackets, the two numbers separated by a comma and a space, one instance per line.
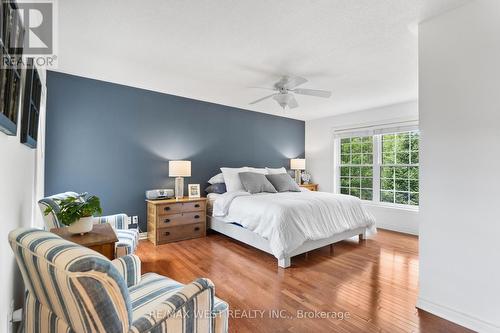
[394, 157]
[356, 170]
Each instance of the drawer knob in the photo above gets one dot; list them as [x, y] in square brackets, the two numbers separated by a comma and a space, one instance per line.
[167, 233]
[166, 208]
[166, 220]
[197, 229]
[197, 206]
[197, 216]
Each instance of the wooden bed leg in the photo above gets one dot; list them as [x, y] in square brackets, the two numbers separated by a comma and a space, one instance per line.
[284, 263]
[331, 249]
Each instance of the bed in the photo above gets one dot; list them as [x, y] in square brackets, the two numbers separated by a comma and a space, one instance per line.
[288, 224]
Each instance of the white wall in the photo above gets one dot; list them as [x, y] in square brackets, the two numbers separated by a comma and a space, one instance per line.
[460, 161]
[17, 192]
[320, 160]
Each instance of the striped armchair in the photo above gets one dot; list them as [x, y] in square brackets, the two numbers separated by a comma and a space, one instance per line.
[127, 238]
[71, 288]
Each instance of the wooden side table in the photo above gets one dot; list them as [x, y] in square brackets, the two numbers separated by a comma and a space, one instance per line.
[175, 220]
[101, 239]
[311, 187]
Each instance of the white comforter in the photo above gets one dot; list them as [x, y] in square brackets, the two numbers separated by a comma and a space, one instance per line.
[289, 219]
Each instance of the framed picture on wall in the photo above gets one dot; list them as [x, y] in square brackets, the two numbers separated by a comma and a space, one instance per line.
[31, 106]
[16, 38]
[7, 22]
[12, 37]
[10, 87]
[194, 191]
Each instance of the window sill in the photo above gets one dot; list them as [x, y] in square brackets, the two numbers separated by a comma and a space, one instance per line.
[391, 206]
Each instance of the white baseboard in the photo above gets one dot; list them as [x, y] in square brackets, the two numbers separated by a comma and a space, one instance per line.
[143, 235]
[457, 317]
[398, 228]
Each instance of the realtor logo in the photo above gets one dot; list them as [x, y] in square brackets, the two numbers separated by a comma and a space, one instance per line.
[38, 25]
[28, 33]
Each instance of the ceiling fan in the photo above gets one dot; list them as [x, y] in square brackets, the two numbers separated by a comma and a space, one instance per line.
[287, 87]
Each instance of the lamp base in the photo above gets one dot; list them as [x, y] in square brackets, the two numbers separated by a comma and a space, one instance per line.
[298, 174]
[179, 188]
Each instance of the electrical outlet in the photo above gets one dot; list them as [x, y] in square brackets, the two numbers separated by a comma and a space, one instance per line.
[135, 219]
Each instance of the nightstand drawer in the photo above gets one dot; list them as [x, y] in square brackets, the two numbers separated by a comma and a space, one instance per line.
[180, 219]
[310, 187]
[196, 206]
[167, 209]
[175, 208]
[181, 232]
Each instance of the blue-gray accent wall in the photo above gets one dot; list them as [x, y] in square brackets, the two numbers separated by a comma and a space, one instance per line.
[115, 141]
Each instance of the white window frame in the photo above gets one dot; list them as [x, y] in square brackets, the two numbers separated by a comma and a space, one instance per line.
[376, 132]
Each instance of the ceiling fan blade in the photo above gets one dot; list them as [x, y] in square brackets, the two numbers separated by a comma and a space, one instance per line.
[290, 82]
[263, 88]
[261, 99]
[292, 103]
[313, 92]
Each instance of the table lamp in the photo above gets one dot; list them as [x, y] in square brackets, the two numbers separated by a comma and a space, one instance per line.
[179, 169]
[298, 164]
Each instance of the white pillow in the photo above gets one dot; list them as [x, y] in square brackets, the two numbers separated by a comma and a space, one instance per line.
[232, 178]
[258, 170]
[271, 171]
[217, 179]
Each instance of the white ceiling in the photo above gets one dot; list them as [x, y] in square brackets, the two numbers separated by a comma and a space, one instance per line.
[216, 50]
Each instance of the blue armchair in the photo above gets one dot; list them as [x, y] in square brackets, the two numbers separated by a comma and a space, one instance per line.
[71, 288]
[127, 238]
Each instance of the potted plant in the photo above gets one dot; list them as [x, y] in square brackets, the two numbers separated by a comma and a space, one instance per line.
[77, 212]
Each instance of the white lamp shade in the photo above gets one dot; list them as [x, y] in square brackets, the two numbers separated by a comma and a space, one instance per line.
[298, 164]
[179, 168]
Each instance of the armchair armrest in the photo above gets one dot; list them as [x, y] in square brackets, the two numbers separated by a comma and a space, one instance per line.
[130, 268]
[188, 310]
[117, 221]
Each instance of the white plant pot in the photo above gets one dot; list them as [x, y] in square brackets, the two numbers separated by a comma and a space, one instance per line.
[82, 226]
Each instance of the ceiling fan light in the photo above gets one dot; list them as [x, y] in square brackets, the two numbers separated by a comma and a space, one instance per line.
[283, 99]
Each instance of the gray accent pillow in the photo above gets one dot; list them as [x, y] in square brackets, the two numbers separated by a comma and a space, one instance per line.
[219, 188]
[282, 182]
[256, 183]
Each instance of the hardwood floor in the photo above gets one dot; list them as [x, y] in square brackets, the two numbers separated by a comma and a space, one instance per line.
[372, 284]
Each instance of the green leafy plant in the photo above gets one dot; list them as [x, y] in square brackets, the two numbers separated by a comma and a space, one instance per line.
[74, 208]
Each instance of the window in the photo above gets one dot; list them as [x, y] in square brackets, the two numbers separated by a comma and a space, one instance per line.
[399, 168]
[380, 167]
[356, 171]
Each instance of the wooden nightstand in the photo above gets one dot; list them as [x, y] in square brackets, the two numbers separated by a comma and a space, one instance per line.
[312, 187]
[174, 220]
[101, 239]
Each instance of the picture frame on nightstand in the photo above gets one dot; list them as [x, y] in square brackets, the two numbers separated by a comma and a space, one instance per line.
[194, 191]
